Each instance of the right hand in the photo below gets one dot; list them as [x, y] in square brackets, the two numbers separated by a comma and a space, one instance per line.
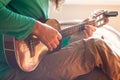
[48, 35]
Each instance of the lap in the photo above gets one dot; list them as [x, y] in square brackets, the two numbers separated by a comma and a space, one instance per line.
[66, 64]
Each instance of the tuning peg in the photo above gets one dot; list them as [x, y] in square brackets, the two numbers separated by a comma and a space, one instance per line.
[111, 14]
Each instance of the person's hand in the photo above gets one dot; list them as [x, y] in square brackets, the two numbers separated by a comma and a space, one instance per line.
[89, 30]
[48, 35]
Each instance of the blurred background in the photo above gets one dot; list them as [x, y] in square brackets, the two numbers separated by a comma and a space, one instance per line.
[81, 9]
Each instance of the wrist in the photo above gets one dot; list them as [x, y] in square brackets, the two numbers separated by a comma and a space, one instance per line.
[37, 28]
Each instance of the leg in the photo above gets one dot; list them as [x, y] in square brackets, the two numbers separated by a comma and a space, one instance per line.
[106, 58]
[77, 59]
[60, 65]
[95, 74]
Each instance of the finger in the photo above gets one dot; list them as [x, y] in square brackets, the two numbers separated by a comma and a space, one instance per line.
[90, 28]
[59, 37]
[50, 47]
[86, 34]
[86, 20]
[94, 29]
[88, 31]
[57, 42]
[53, 45]
[86, 27]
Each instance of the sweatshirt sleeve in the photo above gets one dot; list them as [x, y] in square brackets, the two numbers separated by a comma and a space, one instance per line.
[14, 24]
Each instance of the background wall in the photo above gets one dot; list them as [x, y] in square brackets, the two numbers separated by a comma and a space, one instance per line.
[82, 11]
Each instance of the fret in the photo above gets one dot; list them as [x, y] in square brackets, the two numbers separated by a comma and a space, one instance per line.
[73, 29]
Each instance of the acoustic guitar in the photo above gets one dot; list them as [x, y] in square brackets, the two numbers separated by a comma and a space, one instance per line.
[27, 54]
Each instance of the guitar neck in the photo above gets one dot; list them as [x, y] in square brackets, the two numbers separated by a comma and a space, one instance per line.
[73, 29]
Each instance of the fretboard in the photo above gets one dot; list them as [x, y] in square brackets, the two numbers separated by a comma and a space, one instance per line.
[73, 29]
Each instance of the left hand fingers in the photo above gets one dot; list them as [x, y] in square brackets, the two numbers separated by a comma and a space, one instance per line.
[89, 30]
[87, 19]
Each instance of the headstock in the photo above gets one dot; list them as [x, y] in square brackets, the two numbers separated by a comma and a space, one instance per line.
[100, 17]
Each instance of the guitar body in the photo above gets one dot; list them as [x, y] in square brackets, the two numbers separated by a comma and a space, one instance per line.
[19, 54]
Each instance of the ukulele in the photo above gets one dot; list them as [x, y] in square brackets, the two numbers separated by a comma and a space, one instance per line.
[27, 54]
